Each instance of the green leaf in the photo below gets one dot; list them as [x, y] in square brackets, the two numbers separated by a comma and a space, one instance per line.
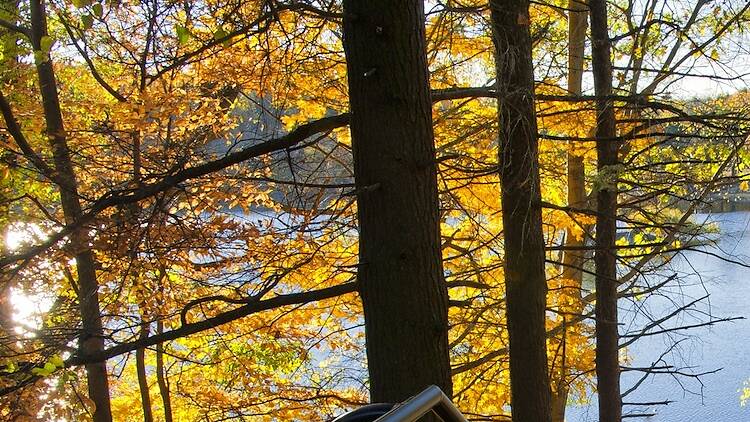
[220, 34]
[87, 21]
[182, 34]
[43, 372]
[57, 361]
[40, 57]
[10, 367]
[98, 9]
[46, 43]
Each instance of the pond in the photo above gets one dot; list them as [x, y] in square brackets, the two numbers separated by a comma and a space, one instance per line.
[723, 347]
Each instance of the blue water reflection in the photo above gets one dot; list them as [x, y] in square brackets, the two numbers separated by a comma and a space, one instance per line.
[725, 346]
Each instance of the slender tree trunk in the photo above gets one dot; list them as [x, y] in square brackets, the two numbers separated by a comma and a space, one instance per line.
[605, 258]
[400, 275]
[577, 23]
[560, 387]
[140, 363]
[8, 61]
[525, 280]
[8, 39]
[161, 376]
[573, 258]
[91, 339]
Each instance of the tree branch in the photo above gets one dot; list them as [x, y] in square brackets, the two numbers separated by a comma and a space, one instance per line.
[15, 131]
[13, 27]
[130, 196]
[223, 318]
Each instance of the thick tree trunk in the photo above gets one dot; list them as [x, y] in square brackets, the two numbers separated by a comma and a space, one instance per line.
[161, 376]
[525, 280]
[140, 363]
[573, 258]
[91, 339]
[400, 274]
[605, 258]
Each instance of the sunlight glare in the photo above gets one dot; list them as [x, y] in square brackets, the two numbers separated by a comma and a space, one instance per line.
[27, 306]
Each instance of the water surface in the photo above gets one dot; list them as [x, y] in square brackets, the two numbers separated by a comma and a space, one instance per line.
[724, 346]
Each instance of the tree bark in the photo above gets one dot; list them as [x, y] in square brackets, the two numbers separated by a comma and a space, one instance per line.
[161, 376]
[400, 274]
[577, 24]
[605, 258]
[140, 363]
[91, 339]
[8, 62]
[525, 280]
[8, 39]
[573, 258]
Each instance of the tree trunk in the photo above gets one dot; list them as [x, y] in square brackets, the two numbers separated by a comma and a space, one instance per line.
[140, 363]
[8, 39]
[400, 274]
[573, 258]
[577, 23]
[161, 376]
[8, 62]
[605, 258]
[560, 387]
[91, 339]
[525, 280]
